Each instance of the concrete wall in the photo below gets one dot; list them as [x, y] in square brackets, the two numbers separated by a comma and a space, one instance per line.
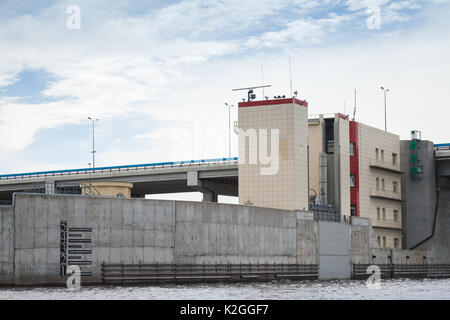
[6, 245]
[360, 241]
[215, 233]
[334, 250]
[397, 256]
[166, 232]
[307, 238]
[439, 245]
[147, 231]
[122, 231]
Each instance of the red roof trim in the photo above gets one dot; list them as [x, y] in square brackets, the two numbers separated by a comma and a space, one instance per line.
[272, 102]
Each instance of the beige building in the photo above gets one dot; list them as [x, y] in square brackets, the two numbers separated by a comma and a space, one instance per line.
[273, 163]
[108, 188]
[380, 183]
[356, 168]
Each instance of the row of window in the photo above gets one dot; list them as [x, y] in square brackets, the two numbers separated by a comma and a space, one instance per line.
[383, 185]
[382, 242]
[380, 156]
[381, 214]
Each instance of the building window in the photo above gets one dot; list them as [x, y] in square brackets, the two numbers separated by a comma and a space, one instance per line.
[353, 210]
[378, 183]
[384, 214]
[384, 242]
[382, 155]
[376, 153]
[382, 185]
[378, 214]
[352, 148]
[395, 215]
[352, 180]
[396, 243]
[394, 186]
[379, 242]
[394, 159]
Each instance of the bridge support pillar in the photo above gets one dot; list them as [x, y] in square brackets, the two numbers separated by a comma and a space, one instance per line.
[50, 187]
[210, 196]
[196, 184]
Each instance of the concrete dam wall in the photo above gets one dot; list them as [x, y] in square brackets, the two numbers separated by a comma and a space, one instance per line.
[42, 235]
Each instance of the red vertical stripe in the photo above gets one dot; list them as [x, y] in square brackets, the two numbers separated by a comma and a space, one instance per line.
[354, 166]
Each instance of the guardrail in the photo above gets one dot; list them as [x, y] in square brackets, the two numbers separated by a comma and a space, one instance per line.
[327, 216]
[442, 146]
[5, 203]
[149, 273]
[386, 165]
[118, 168]
[359, 271]
[384, 194]
[387, 224]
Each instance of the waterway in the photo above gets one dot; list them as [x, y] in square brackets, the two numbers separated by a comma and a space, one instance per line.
[402, 289]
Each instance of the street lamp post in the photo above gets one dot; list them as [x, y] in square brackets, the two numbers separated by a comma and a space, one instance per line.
[229, 128]
[93, 140]
[385, 110]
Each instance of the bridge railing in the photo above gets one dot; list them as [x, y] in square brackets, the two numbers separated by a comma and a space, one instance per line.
[147, 166]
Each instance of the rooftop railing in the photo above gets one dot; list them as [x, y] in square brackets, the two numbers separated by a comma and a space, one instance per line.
[175, 164]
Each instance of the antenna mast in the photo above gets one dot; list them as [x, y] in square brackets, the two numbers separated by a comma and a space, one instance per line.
[262, 78]
[354, 110]
[290, 74]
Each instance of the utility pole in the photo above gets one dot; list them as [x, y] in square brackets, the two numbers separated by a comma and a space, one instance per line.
[93, 140]
[385, 107]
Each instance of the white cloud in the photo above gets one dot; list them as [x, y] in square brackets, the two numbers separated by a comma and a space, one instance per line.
[170, 67]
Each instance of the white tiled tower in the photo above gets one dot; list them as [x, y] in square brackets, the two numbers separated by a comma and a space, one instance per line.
[287, 187]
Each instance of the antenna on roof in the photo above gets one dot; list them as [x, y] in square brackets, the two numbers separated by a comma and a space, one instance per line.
[290, 74]
[262, 78]
[354, 110]
[251, 95]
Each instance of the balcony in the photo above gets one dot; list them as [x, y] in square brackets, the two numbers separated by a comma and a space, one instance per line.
[388, 224]
[384, 194]
[385, 165]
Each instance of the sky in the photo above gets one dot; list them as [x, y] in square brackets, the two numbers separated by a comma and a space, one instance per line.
[158, 73]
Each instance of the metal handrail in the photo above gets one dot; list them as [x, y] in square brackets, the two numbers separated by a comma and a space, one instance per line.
[386, 194]
[385, 165]
[117, 168]
[387, 224]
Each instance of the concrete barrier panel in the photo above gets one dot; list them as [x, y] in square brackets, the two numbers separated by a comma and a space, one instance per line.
[334, 250]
